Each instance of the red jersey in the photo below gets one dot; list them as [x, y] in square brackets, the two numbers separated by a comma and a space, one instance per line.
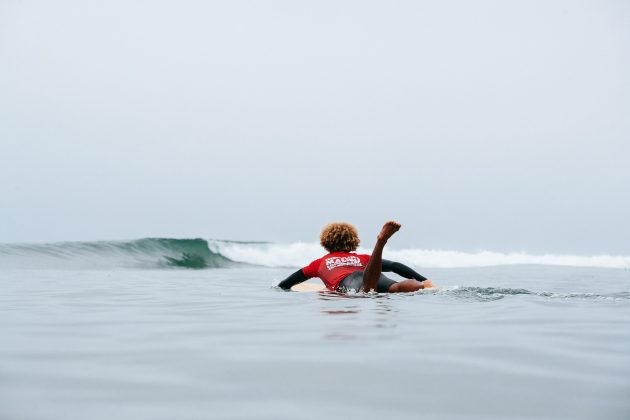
[334, 267]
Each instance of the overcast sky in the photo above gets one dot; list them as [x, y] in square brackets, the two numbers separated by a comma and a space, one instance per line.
[500, 125]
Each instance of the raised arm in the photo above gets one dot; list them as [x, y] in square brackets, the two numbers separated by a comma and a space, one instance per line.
[402, 270]
[292, 280]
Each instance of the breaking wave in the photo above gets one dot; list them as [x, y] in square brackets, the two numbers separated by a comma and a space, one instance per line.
[157, 253]
[299, 254]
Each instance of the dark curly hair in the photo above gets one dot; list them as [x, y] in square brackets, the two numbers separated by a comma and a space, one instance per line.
[339, 237]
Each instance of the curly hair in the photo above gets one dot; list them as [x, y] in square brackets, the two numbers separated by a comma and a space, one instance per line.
[339, 237]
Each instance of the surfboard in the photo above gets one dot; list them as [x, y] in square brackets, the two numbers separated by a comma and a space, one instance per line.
[308, 287]
[315, 287]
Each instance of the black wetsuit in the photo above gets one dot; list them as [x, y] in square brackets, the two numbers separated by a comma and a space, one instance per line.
[354, 281]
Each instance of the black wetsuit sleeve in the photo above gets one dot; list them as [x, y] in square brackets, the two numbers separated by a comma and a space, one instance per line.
[402, 270]
[292, 280]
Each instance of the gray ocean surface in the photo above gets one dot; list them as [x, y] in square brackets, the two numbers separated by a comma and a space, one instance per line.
[518, 342]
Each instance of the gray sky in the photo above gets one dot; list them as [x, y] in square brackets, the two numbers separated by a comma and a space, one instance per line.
[500, 125]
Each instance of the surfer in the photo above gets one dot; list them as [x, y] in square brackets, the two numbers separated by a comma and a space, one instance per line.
[342, 269]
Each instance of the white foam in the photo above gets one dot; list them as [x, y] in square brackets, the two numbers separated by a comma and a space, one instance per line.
[450, 259]
[299, 254]
[268, 255]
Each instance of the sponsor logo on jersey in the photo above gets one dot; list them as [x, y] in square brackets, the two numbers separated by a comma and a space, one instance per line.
[334, 262]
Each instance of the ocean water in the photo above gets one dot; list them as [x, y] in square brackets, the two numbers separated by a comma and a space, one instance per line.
[194, 329]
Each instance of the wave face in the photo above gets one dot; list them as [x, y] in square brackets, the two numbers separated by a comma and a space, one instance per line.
[159, 253]
[141, 253]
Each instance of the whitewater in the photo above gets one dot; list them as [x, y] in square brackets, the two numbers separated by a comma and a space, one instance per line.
[214, 253]
[187, 329]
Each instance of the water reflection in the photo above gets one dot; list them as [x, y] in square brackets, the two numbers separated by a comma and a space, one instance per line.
[340, 311]
[340, 335]
[358, 319]
[334, 295]
[386, 315]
